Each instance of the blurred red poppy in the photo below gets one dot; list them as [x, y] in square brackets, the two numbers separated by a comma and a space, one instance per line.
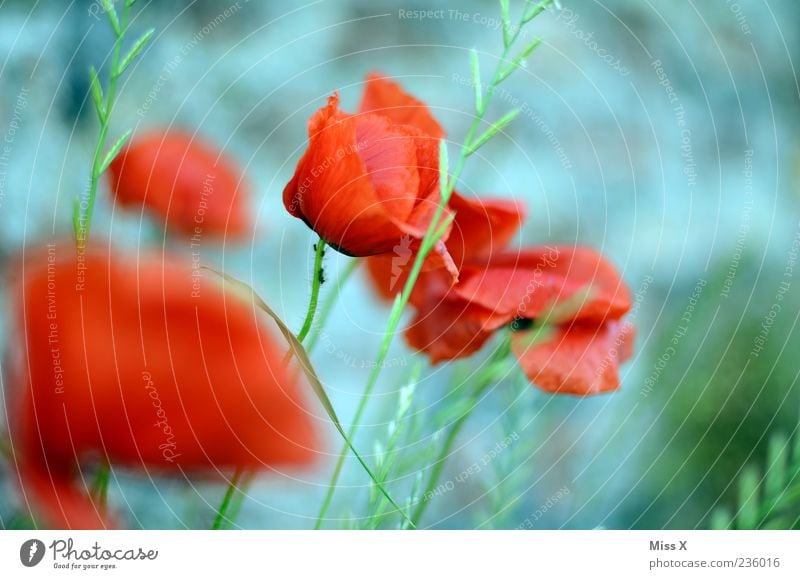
[188, 183]
[368, 183]
[565, 305]
[146, 365]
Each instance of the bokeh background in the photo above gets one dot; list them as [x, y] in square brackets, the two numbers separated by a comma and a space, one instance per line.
[664, 134]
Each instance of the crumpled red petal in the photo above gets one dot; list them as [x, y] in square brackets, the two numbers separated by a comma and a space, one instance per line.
[577, 281]
[579, 359]
[482, 226]
[447, 330]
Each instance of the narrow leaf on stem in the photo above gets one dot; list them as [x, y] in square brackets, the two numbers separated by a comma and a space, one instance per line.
[76, 217]
[111, 12]
[506, 19]
[476, 81]
[533, 10]
[114, 151]
[97, 95]
[444, 170]
[517, 62]
[135, 50]
[495, 128]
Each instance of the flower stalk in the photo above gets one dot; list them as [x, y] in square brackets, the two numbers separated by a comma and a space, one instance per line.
[83, 208]
[435, 231]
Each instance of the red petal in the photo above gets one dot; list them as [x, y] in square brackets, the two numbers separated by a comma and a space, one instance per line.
[357, 180]
[578, 359]
[388, 274]
[389, 154]
[447, 330]
[386, 97]
[482, 226]
[579, 281]
[149, 364]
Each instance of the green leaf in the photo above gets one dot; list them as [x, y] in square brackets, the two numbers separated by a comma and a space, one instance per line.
[76, 217]
[111, 12]
[775, 481]
[748, 499]
[97, 95]
[506, 19]
[495, 128]
[130, 3]
[518, 60]
[135, 50]
[533, 11]
[114, 151]
[308, 369]
[476, 81]
[444, 172]
[531, 46]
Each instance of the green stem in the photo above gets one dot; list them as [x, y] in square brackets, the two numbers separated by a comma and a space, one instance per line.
[455, 429]
[238, 497]
[100, 484]
[427, 245]
[327, 305]
[82, 221]
[226, 501]
[316, 283]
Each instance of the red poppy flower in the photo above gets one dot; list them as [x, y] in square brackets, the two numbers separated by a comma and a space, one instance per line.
[386, 97]
[190, 184]
[480, 226]
[566, 304]
[367, 182]
[147, 366]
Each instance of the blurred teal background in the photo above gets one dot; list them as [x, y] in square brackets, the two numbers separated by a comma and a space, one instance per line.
[663, 134]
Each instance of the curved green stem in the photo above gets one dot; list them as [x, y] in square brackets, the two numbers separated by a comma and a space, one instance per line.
[432, 235]
[327, 305]
[316, 283]
[223, 516]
